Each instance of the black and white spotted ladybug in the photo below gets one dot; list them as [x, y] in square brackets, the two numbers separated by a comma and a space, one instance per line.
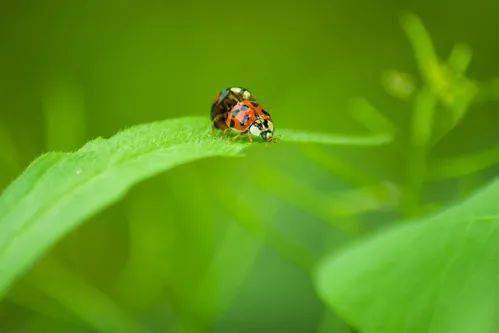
[236, 109]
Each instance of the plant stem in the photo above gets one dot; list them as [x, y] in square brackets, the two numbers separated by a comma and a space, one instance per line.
[422, 123]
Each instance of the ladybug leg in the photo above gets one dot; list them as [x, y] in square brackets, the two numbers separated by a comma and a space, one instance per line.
[268, 143]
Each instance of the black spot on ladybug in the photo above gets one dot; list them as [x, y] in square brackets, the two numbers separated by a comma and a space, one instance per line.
[245, 120]
[236, 112]
[265, 113]
[254, 104]
[265, 123]
[232, 123]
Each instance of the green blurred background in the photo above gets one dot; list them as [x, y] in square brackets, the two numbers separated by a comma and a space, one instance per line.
[229, 245]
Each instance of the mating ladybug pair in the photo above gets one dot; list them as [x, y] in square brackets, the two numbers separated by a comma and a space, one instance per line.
[236, 109]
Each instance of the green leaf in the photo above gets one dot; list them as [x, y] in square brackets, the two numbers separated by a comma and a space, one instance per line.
[78, 296]
[59, 191]
[330, 139]
[438, 274]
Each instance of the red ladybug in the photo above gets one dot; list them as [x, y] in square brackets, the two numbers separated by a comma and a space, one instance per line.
[247, 117]
[236, 109]
[224, 102]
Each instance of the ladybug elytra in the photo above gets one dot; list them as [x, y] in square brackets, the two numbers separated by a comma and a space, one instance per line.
[236, 109]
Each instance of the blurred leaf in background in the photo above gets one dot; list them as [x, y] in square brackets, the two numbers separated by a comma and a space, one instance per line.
[230, 245]
[434, 275]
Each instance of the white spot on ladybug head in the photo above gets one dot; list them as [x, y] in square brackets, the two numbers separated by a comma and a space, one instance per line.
[255, 130]
[236, 90]
[262, 128]
[246, 94]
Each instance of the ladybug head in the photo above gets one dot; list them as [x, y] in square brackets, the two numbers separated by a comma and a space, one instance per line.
[263, 128]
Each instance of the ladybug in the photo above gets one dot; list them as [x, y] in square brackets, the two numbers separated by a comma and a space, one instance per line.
[236, 109]
[249, 117]
[224, 102]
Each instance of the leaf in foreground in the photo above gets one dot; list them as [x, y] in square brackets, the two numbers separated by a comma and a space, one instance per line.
[59, 191]
[439, 274]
